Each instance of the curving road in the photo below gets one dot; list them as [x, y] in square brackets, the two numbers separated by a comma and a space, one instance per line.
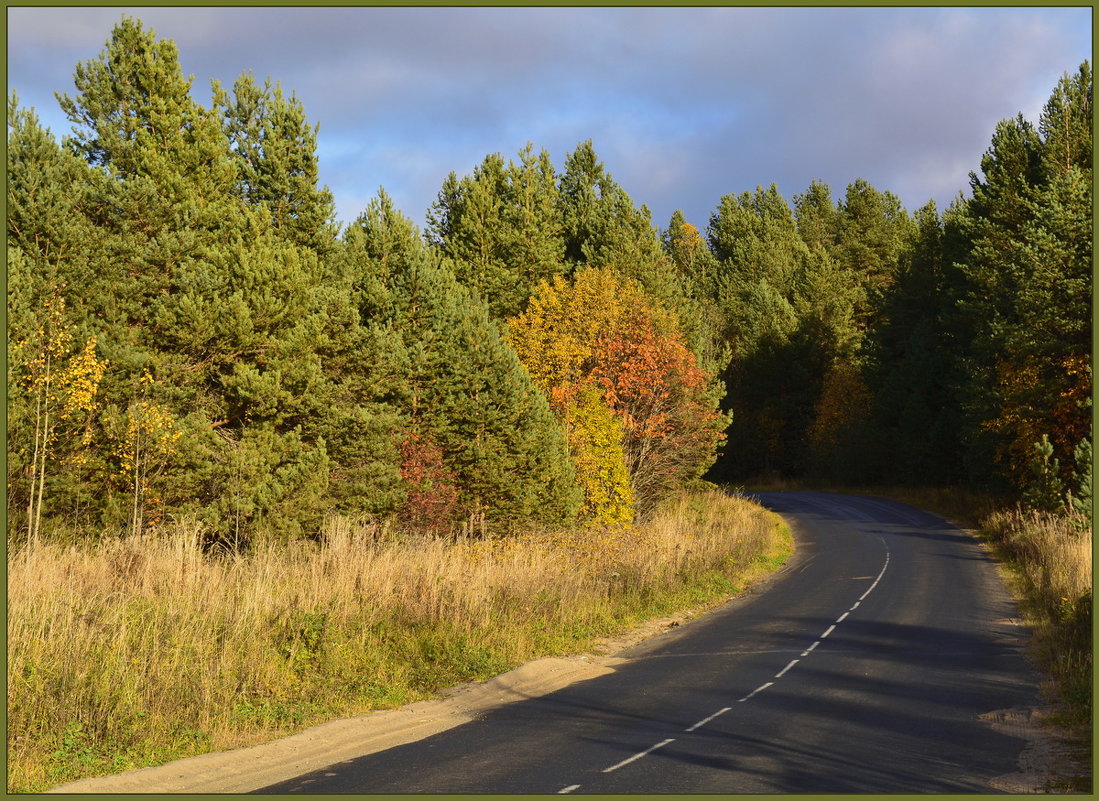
[863, 668]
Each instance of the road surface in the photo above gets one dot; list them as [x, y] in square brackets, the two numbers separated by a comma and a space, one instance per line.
[864, 668]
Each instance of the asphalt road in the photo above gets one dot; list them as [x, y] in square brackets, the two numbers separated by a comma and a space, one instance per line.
[863, 669]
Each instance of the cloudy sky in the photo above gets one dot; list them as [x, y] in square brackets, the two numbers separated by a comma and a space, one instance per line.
[684, 105]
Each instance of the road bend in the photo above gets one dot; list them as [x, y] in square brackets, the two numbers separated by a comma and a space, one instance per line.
[864, 668]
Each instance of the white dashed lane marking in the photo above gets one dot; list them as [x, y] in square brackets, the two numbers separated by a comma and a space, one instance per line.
[638, 756]
[792, 663]
[759, 689]
[704, 721]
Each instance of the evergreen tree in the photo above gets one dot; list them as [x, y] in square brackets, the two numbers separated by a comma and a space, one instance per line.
[275, 153]
[602, 226]
[1026, 296]
[467, 388]
[461, 386]
[501, 228]
[910, 364]
[50, 252]
[211, 316]
[534, 244]
[776, 370]
[816, 217]
[695, 300]
[872, 229]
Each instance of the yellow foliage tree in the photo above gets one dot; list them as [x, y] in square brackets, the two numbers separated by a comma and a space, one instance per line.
[556, 339]
[149, 443]
[595, 439]
[63, 384]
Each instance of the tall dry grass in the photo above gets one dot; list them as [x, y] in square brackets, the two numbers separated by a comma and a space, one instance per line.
[1051, 558]
[132, 653]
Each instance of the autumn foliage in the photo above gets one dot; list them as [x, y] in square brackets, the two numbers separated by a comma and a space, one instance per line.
[431, 502]
[601, 330]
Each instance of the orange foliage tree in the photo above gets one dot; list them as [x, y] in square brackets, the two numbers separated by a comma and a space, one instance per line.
[431, 503]
[600, 329]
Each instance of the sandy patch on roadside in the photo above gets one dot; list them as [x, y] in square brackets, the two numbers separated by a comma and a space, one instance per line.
[1045, 759]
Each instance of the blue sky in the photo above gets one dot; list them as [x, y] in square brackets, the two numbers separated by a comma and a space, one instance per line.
[683, 105]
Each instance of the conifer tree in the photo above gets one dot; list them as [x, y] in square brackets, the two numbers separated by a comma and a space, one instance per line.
[777, 367]
[468, 389]
[602, 227]
[51, 249]
[275, 153]
[695, 269]
[872, 230]
[1026, 296]
[199, 290]
[910, 363]
[816, 217]
[500, 227]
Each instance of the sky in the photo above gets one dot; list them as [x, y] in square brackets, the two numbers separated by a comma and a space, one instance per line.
[683, 105]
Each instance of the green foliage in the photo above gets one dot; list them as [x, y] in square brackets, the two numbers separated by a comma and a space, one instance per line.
[872, 231]
[275, 155]
[1081, 498]
[206, 260]
[459, 381]
[467, 387]
[787, 313]
[501, 228]
[1045, 491]
[179, 268]
[1026, 284]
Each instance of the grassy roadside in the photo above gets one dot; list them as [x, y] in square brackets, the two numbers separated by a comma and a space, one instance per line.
[132, 653]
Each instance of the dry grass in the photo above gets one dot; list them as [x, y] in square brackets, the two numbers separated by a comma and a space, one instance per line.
[136, 652]
[1051, 560]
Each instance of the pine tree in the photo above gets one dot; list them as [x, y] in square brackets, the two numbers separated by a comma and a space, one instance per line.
[501, 228]
[534, 242]
[872, 230]
[275, 152]
[777, 366]
[910, 363]
[51, 250]
[602, 227]
[816, 217]
[1026, 278]
[460, 386]
[200, 289]
[694, 302]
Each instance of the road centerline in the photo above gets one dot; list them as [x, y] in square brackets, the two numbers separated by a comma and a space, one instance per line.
[639, 755]
[704, 721]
